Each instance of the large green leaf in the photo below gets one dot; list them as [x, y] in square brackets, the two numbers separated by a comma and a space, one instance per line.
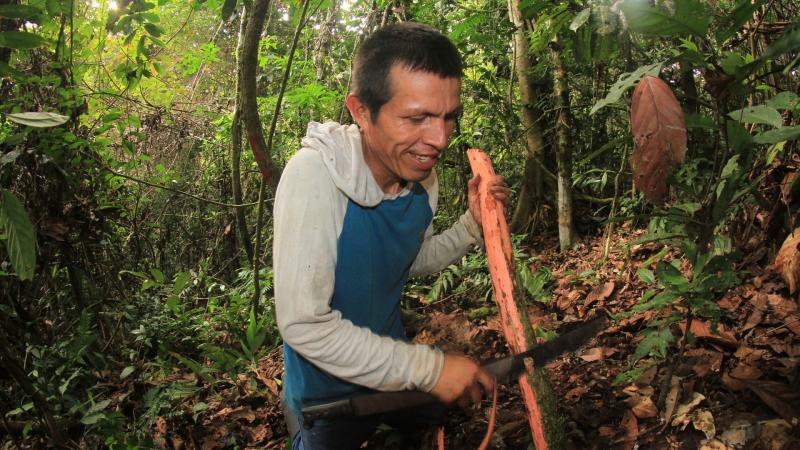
[625, 82]
[19, 12]
[779, 135]
[758, 114]
[21, 242]
[21, 40]
[685, 17]
[38, 119]
[784, 100]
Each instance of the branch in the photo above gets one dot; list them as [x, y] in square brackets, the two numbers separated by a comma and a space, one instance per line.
[166, 188]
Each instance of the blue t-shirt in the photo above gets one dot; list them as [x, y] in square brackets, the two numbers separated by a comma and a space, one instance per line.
[375, 250]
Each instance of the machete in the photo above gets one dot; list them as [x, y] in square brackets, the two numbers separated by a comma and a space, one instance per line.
[503, 370]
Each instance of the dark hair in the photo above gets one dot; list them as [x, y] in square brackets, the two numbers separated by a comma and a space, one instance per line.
[416, 46]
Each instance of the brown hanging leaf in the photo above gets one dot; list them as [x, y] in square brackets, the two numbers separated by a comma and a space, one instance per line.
[659, 136]
[787, 263]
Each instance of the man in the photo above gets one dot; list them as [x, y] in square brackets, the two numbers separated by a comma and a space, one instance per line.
[353, 215]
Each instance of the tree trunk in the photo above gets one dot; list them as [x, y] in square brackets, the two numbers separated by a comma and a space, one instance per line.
[236, 144]
[566, 231]
[322, 45]
[248, 67]
[530, 197]
[272, 128]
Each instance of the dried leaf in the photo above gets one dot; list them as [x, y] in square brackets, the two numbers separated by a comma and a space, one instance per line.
[659, 136]
[703, 420]
[702, 361]
[739, 432]
[672, 397]
[703, 329]
[592, 354]
[630, 427]
[682, 415]
[789, 186]
[777, 396]
[787, 263]
[776, 433]
[759, 303]
[642, 407]
[599, 293]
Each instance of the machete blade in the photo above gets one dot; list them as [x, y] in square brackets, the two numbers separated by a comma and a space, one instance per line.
[505, 369]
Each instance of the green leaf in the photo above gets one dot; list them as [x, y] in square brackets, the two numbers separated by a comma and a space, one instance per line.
[625, 82]
[38, 119]
[758, 114]
[158, 275]
[180, 282]
[784, 100]
[670, 276]
[126, 372]
[655, 343]
[199, 370]
[699, 121]
[646, 275]
[153, 29]
[19, 11]
[580, 19]
[20, 241]
[21, 40]
[689, 17]
[53, 7]
[780, 135]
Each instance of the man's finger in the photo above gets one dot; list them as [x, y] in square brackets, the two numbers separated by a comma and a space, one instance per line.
[486, 381]
[475, 393]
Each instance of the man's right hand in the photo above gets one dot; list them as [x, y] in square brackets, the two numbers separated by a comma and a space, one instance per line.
[462, 381]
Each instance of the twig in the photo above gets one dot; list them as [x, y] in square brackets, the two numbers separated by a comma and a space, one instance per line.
[166, 188]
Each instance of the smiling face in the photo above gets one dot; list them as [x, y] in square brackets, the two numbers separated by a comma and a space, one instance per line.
[411, 130]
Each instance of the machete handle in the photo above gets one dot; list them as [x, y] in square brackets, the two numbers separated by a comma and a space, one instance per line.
[367, 405]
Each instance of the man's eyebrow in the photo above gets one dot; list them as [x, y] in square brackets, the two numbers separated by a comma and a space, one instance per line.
[454, 114]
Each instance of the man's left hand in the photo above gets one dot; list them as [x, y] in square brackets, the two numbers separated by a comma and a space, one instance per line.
[496, 187]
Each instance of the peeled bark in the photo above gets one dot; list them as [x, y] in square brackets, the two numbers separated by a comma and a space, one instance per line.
[547, 425]
[566, 231]
[530, 197]
[248, 67]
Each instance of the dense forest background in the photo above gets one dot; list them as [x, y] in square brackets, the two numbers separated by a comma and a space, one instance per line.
[141, 141]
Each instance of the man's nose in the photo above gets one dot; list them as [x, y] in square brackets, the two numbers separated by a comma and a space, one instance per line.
[437, 133]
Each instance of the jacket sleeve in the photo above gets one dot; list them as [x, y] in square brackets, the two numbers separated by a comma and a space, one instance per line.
[304, 260]
[441, 250]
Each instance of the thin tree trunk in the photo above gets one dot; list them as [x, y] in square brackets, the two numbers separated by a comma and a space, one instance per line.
[322, 45]
[236, 144]
[273, 126]
[566, 231]
[249, 65]
[531, 194]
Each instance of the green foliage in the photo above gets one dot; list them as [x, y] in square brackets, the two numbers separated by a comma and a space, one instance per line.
[19, 235]
[625, 82]
[680, 17]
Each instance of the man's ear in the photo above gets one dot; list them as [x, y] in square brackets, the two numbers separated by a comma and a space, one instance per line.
[358, 110]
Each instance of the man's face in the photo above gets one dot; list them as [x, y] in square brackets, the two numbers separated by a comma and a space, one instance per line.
[412, 128]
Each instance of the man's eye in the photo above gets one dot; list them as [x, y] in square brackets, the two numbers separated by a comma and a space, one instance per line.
[417, 119]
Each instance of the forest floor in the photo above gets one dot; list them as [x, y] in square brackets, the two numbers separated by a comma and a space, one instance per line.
[730, 389]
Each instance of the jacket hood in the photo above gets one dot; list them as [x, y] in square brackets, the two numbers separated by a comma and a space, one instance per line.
[340, 149]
